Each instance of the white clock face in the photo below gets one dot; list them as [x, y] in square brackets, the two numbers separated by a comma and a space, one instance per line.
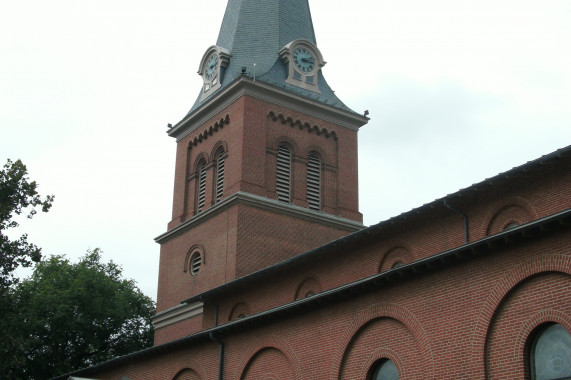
[211, 67]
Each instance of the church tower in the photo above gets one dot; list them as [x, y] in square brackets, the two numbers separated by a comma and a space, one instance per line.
[266, 161]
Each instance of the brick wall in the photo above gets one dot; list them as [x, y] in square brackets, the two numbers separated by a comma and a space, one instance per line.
[241, 239]
[468, 321]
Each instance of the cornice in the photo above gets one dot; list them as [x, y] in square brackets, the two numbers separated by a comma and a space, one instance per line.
[209, 131]
[263, 204]
[285, 119]
[260, 90]
[176, 314]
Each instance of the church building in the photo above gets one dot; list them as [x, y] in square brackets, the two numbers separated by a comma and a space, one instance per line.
[267, 272]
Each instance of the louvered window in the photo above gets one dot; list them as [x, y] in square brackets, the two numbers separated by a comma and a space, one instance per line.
[314, 182]
[195, 262]
[219, 175]
[283, 174]
[201, 187]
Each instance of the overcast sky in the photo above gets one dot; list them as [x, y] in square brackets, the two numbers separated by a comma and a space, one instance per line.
[457, 91]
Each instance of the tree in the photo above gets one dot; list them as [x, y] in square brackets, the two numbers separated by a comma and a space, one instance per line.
[17, 196]
[69, 316]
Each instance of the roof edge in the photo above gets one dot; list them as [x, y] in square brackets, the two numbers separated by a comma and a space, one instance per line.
[431, 263]
[245, 85]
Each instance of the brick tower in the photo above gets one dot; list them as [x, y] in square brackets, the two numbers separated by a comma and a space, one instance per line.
[266, 161]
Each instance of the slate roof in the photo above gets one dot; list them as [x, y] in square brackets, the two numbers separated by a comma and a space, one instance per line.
[254, 31]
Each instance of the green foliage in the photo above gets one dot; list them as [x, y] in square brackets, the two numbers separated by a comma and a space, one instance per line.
[69, 316]
[17, 195]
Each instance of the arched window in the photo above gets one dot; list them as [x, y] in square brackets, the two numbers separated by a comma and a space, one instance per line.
[551, 354]
[283, 174]
[239, 311]
[201, 185]
[384, 370]
[219, 175]
[195, 263]
[314, 182]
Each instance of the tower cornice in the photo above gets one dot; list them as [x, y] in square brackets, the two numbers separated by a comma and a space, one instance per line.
[264, 204]
[246, 86]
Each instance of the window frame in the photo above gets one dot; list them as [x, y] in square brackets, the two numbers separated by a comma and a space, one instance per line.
[284, 160]
[536, 336]
[200, 185]
[314, 181]
[219, 177]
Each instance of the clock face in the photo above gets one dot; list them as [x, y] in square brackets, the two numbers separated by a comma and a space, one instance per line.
[303, 60]
[211, 67]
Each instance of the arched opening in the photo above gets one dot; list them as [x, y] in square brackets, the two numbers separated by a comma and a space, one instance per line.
[219, 175]
[201, 185]
[384, 369]
[550, 353]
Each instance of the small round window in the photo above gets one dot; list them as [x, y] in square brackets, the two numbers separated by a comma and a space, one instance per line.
[195, 262]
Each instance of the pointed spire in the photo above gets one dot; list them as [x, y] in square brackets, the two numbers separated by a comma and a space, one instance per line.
[254, 31]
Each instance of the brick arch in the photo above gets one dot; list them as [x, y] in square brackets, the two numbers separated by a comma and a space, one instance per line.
[288, 142]
[311, 128]
[201, 157]
[187, 374]
[222, 144]
[378, 354]
[397, 252]
[512, 210]
[195, 248]
[513, 313]
[535, 323]
[319, 153]
[521, 272]
[192, 370]
[377, 312]
[308, 284]
[274, 342]
[239, 309]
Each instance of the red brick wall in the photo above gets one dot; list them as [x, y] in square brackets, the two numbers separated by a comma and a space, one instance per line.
[266, 238]
[243, 239]
[472, 320]
[178, 330]
[218, 236]
[445, 324]
[248, 127]
[439, 229]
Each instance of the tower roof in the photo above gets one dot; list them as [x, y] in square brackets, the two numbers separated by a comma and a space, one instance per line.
[254, 32]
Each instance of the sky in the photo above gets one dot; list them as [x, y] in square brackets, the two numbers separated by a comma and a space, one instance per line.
[457, 91]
